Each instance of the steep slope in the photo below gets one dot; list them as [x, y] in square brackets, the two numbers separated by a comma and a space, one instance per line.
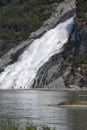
[18, 18]
[63, 11]
[78, 75]
[22, 72]
[65, 69]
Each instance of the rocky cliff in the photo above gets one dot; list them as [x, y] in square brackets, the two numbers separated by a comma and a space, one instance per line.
[67, 69]
[63, 11]
[78, 41]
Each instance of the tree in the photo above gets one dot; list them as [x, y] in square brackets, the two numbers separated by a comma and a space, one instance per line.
[4, 2]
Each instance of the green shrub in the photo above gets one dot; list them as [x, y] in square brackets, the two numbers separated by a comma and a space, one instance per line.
[9, 125]
[80, 59]
[81, 9]
[18, 18]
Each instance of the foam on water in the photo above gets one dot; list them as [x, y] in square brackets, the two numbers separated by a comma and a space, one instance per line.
[22, 73]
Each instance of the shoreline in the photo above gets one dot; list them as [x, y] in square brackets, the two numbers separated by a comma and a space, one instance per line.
[73, 103]
[73, 106]
[46, 89]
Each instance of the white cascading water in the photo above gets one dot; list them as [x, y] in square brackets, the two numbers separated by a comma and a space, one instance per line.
[22, 73]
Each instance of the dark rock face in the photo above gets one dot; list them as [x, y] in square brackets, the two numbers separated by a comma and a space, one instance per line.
[52, 74]
[54, 71]
[75, 39]
[49, 72]
[78, 74]
[83, 38]
[3, 45]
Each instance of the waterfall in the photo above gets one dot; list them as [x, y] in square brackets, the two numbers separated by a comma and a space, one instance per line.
[22, 73]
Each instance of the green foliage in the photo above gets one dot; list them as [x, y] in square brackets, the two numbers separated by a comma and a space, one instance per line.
[81, 9]
[65, 63]
[4, 2]
[80, 59]
[81, 20]
[9, 125]
[46, 128]
[18, 18]
[81, 13]
[30, 127]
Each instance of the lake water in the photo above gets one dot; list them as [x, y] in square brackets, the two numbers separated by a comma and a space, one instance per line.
[23, 106]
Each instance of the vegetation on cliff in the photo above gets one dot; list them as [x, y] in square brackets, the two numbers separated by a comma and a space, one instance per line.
[81, 20]
[18, 18]
[75, 53]
[81, 10]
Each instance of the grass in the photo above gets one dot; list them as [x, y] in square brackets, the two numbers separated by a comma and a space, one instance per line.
[9, 125]
[73, 102]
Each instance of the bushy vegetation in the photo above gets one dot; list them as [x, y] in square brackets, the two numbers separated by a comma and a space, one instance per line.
[81, 9]
[81, 20]
[80, 59]
[73, 102]
[77, 58]
[9, 125]
[18, 18]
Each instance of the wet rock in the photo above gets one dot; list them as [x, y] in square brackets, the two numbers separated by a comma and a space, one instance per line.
[74, 87]
[12, 56]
